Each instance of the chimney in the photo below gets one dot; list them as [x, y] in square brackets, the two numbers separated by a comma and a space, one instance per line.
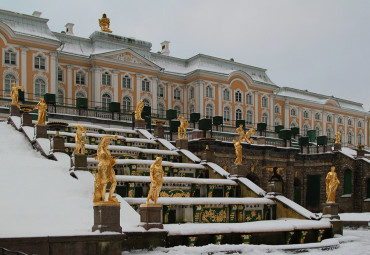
[69, 28]
[37, 14]
[165, 48]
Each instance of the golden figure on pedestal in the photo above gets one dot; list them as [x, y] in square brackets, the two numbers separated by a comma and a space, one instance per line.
[337, 137]
[238, 152]
[105, 171]
[240, 131]
[42, 107]
[156, 176]
[15, 94]
[182, 128]
[104, 24]
[247, 137]
[80, 140]
[139, 110]
[332, 183]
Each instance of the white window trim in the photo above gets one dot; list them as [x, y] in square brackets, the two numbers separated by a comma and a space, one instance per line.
[111, 79]
[131, 81]
[16, 57]
[46, 62]
[75, 75]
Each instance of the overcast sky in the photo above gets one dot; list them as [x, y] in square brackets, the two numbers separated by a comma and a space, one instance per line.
[319, 45]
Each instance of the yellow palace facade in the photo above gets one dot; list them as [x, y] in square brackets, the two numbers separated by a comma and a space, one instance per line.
[111, 68]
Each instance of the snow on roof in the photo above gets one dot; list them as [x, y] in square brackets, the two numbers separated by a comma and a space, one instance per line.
[355, 216]
[16, 120]
[348, 152]
[256, 189]
[245, 227]
[218, 169]
[190, 156]
[131, 178]
[204, 200]
[145, 133]
[29, 131]
[166, 144]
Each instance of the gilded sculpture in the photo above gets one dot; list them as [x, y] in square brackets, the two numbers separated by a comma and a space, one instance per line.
[105, 172]
[247, 137]
[139, 110]
[337, 137]
[238, 152]
[332, 183]
[182, 128]
[240, 131]
[15, 94]
[104, 24]
[156, 176]
[41, 107]
[80, 140]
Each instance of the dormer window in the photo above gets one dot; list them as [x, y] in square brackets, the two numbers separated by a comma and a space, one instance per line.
[106, 79]
[9, 57]
[40, 62]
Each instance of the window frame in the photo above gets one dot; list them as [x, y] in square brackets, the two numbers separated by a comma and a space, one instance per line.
[42, 87]
[238, 96]
[145, 85]
[39, 62]
[106, 79]
[238, 114]
[11, 80]
[209, 91]
[249, 99]
[226, 112]
[126, 107]
[106, 99]
[80, 77]
[251, 117]
[126, 82]
[8, 55]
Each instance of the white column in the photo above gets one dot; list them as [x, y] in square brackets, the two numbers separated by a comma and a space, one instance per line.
[138, 87]
[155, 94]
[185, 99]
[345, 130]
[355, 130]
[312, 119]
[366, 127]
[96, 86]
[335, 120]
[272, 115]
[220, 99]
[286, 114]
[115, 85]
[53, 72]
[300, 113]
[69, 84]
[169, 93]
[256, 106]
[200, 98]
[24, 69]
[324, 117]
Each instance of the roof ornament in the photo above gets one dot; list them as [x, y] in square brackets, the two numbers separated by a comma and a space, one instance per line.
[104, 24]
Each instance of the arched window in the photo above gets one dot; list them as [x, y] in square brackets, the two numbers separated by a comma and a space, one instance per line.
[350, 137]
[39, 62]
[264, 101]
[80, 94]
[293, 112]
[60, 74]
[126, 82]
[106, 79]
[360, 138]
[329, 133]
[249, 99]
[191, 92]
[10, 57]
[293, 125]
[177, 94]
[80, 78]
[238, 114]
[60, 97]
[39, 88]
[145, 85]
[178, 110]
[209, 91]
[318, 130]
[146, 102]
[360, 124]
[347, 182]
[340, 120]
[265, 117]
[160, 91]
[317, 116]
[329, 118]
[305, 129]
[249, 117]
[306, 115]
[9, 79]
[126, 104]
[349, 122]
[161, 110]
[238, 96]
[226, 95]
[105, 101]
[209, 111]
[226, 114]
[277, 109]
[277, 122]
[191, 108]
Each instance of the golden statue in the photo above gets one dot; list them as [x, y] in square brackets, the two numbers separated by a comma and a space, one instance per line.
[15, 94]
[247, 137]
[337, 137]
[182, 128]
[156, 176]
[332, 183]
[238, 152]
[159, 123]
[79, 141]
[240, 131]
[105, 172]
[139, 110]
[42, 107]
[104, 24]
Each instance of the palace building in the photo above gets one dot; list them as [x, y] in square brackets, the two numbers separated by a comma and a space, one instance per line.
[108, 68]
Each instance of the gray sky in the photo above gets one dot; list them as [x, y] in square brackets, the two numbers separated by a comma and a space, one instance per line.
[319, 45]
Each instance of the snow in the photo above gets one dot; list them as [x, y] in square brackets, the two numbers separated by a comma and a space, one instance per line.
[29, 131]
[145, 133]
[190, 156]
[355, 216]
[166, 144]
[256, 189]
[42, 198]
[296, 207]
[131, 178]
[45, 144]
[17, 121]
[218, 169]
[348, 152]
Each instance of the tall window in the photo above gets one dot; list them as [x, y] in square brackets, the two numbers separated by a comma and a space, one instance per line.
[360, 124]
[249, 117]
[340, 120]
[126, 82]
[264, 101]
[161, 110]
[178, 110]
[39, 88]
[80, 78]
[160, 91]
[306, 115]
[329, 118]
[349, 122]
[209, 111]
[277, 109]
[106, 79]
[60, 97]
[317, 116]
[126, 104]
[238, 96]
[293, 112]
[9, 79]
[226, 114]
[360, 138]
[39, 62]
[105, 101]
[226, 95]
[238, 114]
[249, 99]
[350, 137]
[209, 91]
[329, 133]
[191, 108]
[177, 94]
[277, 123]
[145, 85]
[318, 130]
[60, 74]
[292, 125]
[191, 92]
[9, 57]
[265, 117]
[305, 129]
[347, 182]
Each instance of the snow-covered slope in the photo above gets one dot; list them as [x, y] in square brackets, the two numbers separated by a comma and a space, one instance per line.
[39, 197]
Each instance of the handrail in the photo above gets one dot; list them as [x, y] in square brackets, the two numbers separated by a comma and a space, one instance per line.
[4, 251]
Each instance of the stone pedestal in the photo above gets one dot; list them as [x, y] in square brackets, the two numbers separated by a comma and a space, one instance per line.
[337, 147]
[140, 124]
[58, 144]
[238, 170]
[41, 131]
[14, 111]
[151, 216]
[330, 210]
[27, 120]
[275, 187]
[79, 162]
[107, 217]
[182, 144]
[159, 132]
[208, 155]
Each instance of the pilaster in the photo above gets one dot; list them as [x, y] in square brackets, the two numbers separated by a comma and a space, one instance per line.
[138, 87]
[286, 113]
[272, 115]
[155, 95]
[220, 99]
[115, 85]
[169, 93]
[96, 85]
[256, 106]
[69, 84]
[200, 97]
[24, 68]
[53, 72]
